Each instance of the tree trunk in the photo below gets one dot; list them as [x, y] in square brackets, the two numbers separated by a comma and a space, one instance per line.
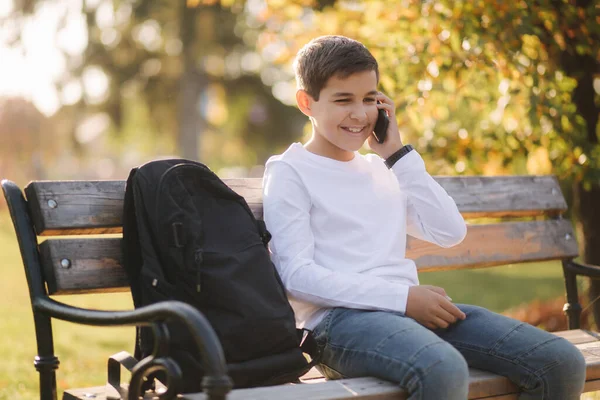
[587, 204]
[191, 84]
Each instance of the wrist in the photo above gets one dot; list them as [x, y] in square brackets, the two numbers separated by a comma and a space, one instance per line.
[393, 158]
[390, 149]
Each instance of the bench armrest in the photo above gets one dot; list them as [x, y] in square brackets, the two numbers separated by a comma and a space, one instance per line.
[593, 271]
[216, 384]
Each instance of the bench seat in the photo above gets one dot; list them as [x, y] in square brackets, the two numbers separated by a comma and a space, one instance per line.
[482, 385]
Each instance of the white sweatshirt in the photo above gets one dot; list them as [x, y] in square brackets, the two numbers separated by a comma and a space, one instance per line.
[339, 228]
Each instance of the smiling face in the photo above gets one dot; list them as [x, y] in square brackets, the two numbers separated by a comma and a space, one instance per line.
[343, 117]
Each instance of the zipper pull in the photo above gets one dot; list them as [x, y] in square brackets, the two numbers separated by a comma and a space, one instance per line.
[265, 235]
[198, 259]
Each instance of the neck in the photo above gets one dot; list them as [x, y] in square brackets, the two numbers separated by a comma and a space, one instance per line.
[322, 147]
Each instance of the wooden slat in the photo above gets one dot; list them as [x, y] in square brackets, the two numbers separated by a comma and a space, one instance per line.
[498, 244]
[76, 207]
[591, 386]
[359, 388]
[575, 336]
[591, 352]
[485, 196]
[482, 385]
[485, 384]
[578, 336]
[98, 393]
[362, 388]
[96, 206]
[95, 263]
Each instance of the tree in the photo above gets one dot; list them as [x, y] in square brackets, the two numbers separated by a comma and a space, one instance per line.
[480, 87]
[181, 73]
[198, 57]
[23, 145]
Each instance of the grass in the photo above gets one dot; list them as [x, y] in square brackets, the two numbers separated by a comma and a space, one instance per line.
[500, 288]
[83, 350]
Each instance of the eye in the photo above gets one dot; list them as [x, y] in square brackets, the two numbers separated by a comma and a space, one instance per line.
[369, 100]
[342, 100]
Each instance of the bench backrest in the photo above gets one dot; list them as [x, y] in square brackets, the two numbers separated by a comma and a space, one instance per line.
[512, 219]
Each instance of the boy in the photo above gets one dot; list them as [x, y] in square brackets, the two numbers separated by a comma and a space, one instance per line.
[339, 222]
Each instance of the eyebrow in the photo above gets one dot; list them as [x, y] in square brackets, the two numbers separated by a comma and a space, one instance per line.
[345, 94]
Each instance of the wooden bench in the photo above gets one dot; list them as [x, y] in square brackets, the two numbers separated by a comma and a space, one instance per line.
[514, 219]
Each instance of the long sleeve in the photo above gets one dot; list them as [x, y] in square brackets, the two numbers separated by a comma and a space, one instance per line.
[287, 208]
[432, 215]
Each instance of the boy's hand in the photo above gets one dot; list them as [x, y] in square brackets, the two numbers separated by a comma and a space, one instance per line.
[393, 142]
[429, 306]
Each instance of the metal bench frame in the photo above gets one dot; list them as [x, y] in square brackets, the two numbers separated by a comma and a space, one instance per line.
[29, 223]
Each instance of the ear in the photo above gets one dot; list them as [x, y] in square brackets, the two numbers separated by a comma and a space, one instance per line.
[304, 101]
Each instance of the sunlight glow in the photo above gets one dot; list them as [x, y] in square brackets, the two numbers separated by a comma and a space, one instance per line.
[105, 15]
[92, 127]
[148, 34]
[31, 68]
[73, 37]
[95, 83]
[285, 92]
[71, 93]
[6, 7]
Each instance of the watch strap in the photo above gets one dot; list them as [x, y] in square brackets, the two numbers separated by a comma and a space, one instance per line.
[391, 160]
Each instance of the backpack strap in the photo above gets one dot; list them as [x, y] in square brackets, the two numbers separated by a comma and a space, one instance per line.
[132, 254]
[308, 343]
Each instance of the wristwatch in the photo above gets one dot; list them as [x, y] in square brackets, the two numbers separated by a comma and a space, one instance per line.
[391, 160]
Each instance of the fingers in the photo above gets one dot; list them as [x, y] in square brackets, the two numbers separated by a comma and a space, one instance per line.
[384, 99]
[429, 306]
[385, 103]
[442, 319]
[452, 309]
[430, 325]
[439, 323]
[390, 108]
[446, 316]
[436, 289]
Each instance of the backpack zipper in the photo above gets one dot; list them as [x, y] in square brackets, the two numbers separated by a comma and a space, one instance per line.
[198, 254]
[198, 259]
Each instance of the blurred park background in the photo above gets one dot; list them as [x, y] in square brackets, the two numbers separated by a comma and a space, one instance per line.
[90, 89]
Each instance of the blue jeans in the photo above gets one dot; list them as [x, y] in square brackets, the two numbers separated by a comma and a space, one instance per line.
[433, 364]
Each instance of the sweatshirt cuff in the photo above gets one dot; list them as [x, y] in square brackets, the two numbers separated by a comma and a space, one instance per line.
[409, 164]
[409, 169]
[402, 298]
[390, 296]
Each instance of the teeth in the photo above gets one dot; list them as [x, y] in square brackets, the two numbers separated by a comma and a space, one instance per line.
[355, 130]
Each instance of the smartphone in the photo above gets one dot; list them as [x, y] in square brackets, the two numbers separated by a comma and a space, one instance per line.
[381, 126]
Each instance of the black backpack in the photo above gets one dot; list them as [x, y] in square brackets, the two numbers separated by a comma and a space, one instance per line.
[187, 236]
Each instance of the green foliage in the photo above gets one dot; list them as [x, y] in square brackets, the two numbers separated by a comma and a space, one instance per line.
[480, 87]
[160, 49]
[179, 73]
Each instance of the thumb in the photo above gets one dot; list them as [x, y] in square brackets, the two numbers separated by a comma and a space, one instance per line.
[372, 142]
[436, 289]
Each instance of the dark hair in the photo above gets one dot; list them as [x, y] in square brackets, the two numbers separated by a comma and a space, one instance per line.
[328, 56]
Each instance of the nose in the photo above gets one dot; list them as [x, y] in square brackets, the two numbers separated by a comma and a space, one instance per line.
[359, 112]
